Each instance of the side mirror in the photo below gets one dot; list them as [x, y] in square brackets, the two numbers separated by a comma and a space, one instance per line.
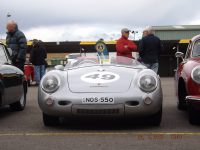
[10, 51]
[179, 55]
[174, 48]
[59, 67]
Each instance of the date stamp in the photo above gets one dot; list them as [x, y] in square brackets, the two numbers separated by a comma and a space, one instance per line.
[143, 137]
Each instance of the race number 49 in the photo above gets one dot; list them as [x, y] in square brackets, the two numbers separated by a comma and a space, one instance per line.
[100, 77]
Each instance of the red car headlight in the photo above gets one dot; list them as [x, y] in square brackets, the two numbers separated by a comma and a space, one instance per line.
[196, 74]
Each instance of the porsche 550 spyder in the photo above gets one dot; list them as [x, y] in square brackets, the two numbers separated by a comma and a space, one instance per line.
[95, 87]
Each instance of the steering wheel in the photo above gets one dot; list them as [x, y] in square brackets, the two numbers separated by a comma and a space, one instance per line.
[87, 61]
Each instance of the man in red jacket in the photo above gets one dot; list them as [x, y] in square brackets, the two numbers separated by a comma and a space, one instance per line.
[124, 46]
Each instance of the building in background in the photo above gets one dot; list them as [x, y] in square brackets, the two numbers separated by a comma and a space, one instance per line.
[176, 32]
[174, 38]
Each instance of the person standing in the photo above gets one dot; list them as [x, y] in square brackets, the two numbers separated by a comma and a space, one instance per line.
[150, 48]
[144, 33]
[16, 40]
[124, 46]
[37, 58]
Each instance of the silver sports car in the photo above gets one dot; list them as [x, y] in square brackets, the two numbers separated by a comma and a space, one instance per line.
[95, 87]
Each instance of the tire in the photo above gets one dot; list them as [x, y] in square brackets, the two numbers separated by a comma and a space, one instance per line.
[20, 105]
[182, 93]
[156, 119]
[181, 106]
[0, 99]
[50, 120]
[194, 116]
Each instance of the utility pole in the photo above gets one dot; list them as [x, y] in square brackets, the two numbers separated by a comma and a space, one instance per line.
[8, 16]
[134, 32]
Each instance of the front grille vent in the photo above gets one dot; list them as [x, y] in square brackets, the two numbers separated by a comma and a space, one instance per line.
[98, 111]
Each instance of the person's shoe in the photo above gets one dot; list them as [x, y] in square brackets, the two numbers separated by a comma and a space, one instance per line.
[36, 84]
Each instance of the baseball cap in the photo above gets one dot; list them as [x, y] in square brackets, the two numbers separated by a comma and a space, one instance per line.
[126, 30]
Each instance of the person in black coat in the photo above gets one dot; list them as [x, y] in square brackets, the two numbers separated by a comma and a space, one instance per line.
[16, 40]
[150, 48]
[37, 58]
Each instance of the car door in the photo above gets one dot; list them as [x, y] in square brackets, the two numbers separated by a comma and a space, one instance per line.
[11, 78]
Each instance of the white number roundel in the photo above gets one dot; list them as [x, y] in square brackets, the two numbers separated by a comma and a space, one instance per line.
[100, 77]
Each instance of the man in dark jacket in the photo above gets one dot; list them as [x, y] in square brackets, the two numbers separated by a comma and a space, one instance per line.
[149, 50]
[16, 40]
[37, 58]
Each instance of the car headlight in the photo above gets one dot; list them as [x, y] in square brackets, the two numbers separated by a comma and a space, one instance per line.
[50, 83]
[148, 83]
[196, 74]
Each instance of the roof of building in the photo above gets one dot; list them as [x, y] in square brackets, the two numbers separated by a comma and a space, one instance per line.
[94, 42]
[176, 27]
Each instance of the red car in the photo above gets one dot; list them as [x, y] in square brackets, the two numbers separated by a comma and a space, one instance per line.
[187, 79]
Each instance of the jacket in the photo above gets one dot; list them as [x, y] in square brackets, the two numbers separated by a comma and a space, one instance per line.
[126, 52]
[16, 40]
[38, 55]
[150, 48]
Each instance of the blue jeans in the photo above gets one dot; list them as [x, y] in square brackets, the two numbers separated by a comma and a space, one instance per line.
[152, 66]
[39, 73]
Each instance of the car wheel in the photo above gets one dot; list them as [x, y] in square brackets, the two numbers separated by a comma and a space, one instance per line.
[20, 105]
[156, 119]
[181, 106]
[182, 93]
[194, 116]
[50, 120]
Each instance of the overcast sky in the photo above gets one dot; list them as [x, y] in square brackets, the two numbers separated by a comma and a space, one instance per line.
[74, 20]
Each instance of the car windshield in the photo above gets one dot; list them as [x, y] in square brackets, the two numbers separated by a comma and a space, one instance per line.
[196, 49]
[103, 60]
[2, 55]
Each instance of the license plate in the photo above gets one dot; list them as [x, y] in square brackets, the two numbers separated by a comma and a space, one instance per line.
[98, 100]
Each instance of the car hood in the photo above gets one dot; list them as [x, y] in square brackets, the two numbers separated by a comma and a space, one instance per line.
[97, 79]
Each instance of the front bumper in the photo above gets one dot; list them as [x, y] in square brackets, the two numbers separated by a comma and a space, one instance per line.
[125, 105]
[194, 101]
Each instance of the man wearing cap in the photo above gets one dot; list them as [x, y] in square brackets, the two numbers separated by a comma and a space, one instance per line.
[124, 46]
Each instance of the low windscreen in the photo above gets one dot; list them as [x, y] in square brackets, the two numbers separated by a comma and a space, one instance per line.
[3, 58]
[97, 60]
[196, 49]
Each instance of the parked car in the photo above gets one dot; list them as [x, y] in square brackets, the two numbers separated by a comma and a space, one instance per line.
[13, 86]
[92, 87]
[187, 79]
